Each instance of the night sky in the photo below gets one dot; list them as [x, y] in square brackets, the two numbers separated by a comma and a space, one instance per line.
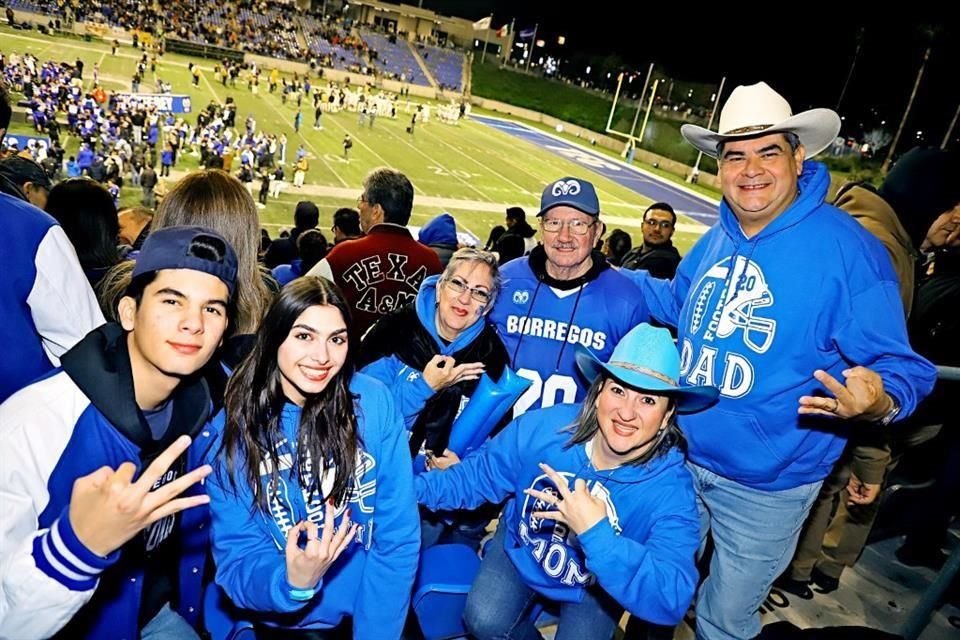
[807, 60]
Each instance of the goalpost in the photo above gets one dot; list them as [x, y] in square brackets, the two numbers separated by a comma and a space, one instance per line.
[633, 140]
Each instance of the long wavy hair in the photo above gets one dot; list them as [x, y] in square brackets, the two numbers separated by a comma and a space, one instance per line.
[327, 436]
[216, 200]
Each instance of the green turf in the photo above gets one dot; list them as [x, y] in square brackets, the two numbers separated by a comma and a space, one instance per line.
[587, 108]
[477, 170]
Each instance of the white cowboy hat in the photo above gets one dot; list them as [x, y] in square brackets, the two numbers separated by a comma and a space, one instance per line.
[757, 109]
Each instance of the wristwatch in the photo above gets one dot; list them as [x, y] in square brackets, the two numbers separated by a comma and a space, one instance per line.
[891, 415]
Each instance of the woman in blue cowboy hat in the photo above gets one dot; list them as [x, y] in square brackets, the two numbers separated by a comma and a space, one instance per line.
[600, 514]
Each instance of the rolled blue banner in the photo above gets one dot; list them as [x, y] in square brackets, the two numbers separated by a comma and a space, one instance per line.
[488, 404]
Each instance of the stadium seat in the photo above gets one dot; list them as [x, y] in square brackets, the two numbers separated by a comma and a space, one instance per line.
[440, 592]
[220, 617]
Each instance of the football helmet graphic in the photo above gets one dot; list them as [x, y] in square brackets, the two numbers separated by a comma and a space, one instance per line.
[745, 291]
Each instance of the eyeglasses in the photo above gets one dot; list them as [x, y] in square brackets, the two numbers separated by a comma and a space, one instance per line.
[458, 286]
[361, 199]
[663, 224]
[576, 227]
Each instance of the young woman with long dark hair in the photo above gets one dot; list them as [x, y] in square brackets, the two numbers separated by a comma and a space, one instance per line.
[312, 456]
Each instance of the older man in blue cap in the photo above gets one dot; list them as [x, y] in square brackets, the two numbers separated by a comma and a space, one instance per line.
[563, 294]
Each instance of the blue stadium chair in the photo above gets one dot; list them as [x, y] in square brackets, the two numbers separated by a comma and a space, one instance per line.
[220, 617]
[440, 592]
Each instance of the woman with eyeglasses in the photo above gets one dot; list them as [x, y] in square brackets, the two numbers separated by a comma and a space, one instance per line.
[431, 354]
[312, 456]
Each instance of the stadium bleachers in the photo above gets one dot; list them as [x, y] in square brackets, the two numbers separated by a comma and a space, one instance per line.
[272, 29]
[328, 43]
[45, 7]
[395, 58]
[446, 65]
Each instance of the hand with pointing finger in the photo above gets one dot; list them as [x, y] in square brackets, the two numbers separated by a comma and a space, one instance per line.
[107, 508]
[442, 371]
[862, 397]
[577, 508]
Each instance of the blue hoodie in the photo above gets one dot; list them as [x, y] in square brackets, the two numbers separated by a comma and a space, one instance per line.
[372, 580]
[642, 554]
[284, 273]
[407, 384]
[439, 230]
[757, 316]
[440, 234]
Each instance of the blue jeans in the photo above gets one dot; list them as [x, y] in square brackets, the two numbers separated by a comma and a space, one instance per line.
[500, 604]
[754, 533]
[168, 625]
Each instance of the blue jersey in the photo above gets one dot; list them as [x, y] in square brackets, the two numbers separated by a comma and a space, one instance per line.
[541, 325]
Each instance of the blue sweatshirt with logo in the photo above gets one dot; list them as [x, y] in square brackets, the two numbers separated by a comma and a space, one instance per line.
[371, 580]
[541, 325]
[757, 316]
[642, 553]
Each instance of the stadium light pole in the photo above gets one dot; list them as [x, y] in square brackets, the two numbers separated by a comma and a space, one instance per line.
[713, 112]
[953, 123]
[903, 121]
[856, 54]
[533, 45]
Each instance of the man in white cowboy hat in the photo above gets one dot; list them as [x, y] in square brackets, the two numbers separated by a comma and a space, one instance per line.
[563, 294]
[791, 308]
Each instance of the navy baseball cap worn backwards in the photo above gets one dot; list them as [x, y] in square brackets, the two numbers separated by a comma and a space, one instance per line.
[572, 192]
[176, 248]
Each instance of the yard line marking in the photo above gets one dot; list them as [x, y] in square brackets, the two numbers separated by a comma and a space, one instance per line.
[360, 142]
[480, 164]
[609, 197]
[472, 188]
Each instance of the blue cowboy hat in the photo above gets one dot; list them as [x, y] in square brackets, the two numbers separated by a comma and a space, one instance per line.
[647, 359]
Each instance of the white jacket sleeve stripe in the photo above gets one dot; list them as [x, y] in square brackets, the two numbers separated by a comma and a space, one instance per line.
[61, 572]
[70, 548]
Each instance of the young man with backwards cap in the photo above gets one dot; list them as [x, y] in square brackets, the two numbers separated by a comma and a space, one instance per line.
[92, 465]
[791, 308]
[561, 295]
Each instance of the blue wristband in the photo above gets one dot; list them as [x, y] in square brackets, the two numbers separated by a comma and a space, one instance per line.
[302, 595]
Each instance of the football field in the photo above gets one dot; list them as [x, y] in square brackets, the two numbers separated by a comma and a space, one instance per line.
[473, 170]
